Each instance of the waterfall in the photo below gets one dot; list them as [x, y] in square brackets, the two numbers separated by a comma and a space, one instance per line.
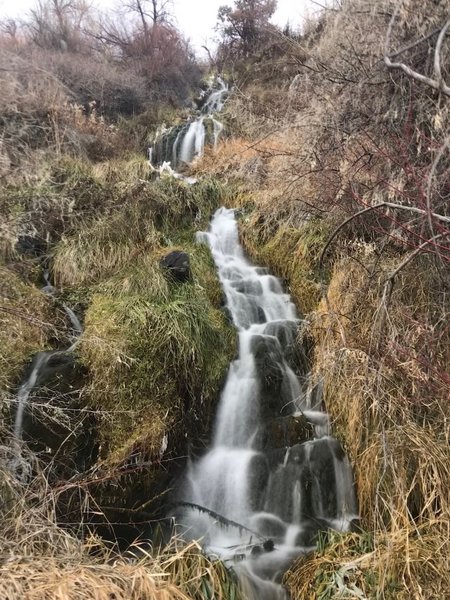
[183, 143]
[44, 362]
[193, 142]
[283, 492]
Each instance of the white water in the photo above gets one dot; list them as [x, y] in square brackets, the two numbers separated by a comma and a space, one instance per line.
[40, 362]
[74, 320]
[193, 142]
[287, 494]
[189, 142]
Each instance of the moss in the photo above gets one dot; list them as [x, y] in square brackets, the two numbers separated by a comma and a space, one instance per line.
[292, 253]
[24, 327]
[155, 351]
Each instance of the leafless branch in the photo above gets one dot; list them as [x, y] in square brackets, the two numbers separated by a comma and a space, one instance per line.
[368, 209]
[436, 161]
[437, 82]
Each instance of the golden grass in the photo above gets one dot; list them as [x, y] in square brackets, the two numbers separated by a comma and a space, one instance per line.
[402, 564]
[24, 326]
[43, 579]
[122, 170]
[179, 574]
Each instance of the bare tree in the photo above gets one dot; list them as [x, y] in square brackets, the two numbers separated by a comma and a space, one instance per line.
[150, 12]
[58, 24]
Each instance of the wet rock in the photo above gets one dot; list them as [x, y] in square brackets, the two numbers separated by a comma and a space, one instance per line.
[283, 494]
[258, 475]
[322, 467]
[269, 365]
[248, 286]
[309, 532]
[356, 526]
[275, 457]
[285, 332]
[286, 432]
[176, 266]
[269, 526]
[30, 245]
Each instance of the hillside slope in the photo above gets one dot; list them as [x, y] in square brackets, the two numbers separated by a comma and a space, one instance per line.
[338, 161]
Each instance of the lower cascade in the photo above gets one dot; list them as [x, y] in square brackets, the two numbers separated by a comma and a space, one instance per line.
[273, 477]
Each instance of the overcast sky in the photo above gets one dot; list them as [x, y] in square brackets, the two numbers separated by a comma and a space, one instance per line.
[196, 18]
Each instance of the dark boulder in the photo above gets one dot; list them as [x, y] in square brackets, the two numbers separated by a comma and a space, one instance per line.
[31, 245]
[176, 266]
[287, 431]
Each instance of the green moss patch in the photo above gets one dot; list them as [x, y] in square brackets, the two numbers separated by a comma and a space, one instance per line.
[292, 253]
[155, 351]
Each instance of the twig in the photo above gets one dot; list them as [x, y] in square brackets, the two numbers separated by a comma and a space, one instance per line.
[389, 283]
[374, 207]
[436, 161]
[12, 311]
[223, 520]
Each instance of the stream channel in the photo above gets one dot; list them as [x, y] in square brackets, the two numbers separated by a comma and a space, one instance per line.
[273, 477]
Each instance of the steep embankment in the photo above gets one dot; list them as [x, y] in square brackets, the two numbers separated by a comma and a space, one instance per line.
[322, 131]
[109, 434]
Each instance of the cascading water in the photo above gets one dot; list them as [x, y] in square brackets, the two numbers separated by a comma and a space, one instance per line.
[182, 144]
[281, 489]
[44, 362]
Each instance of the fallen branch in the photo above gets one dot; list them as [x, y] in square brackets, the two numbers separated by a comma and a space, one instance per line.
[220, 518]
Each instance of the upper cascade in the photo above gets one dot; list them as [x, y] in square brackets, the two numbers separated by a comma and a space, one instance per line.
[181, 144]
[272, 472]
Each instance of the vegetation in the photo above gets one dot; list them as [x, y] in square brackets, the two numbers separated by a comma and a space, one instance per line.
[337, 154]
[349, 202]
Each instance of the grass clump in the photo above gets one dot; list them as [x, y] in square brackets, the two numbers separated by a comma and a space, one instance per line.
[24, 326]
[358, 566]
[291, 252]
[104, 245]
[156, 352]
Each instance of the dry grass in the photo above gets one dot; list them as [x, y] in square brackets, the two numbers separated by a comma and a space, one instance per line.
[386, 566]
[39, 560]
[24, 326]
[178, 575]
